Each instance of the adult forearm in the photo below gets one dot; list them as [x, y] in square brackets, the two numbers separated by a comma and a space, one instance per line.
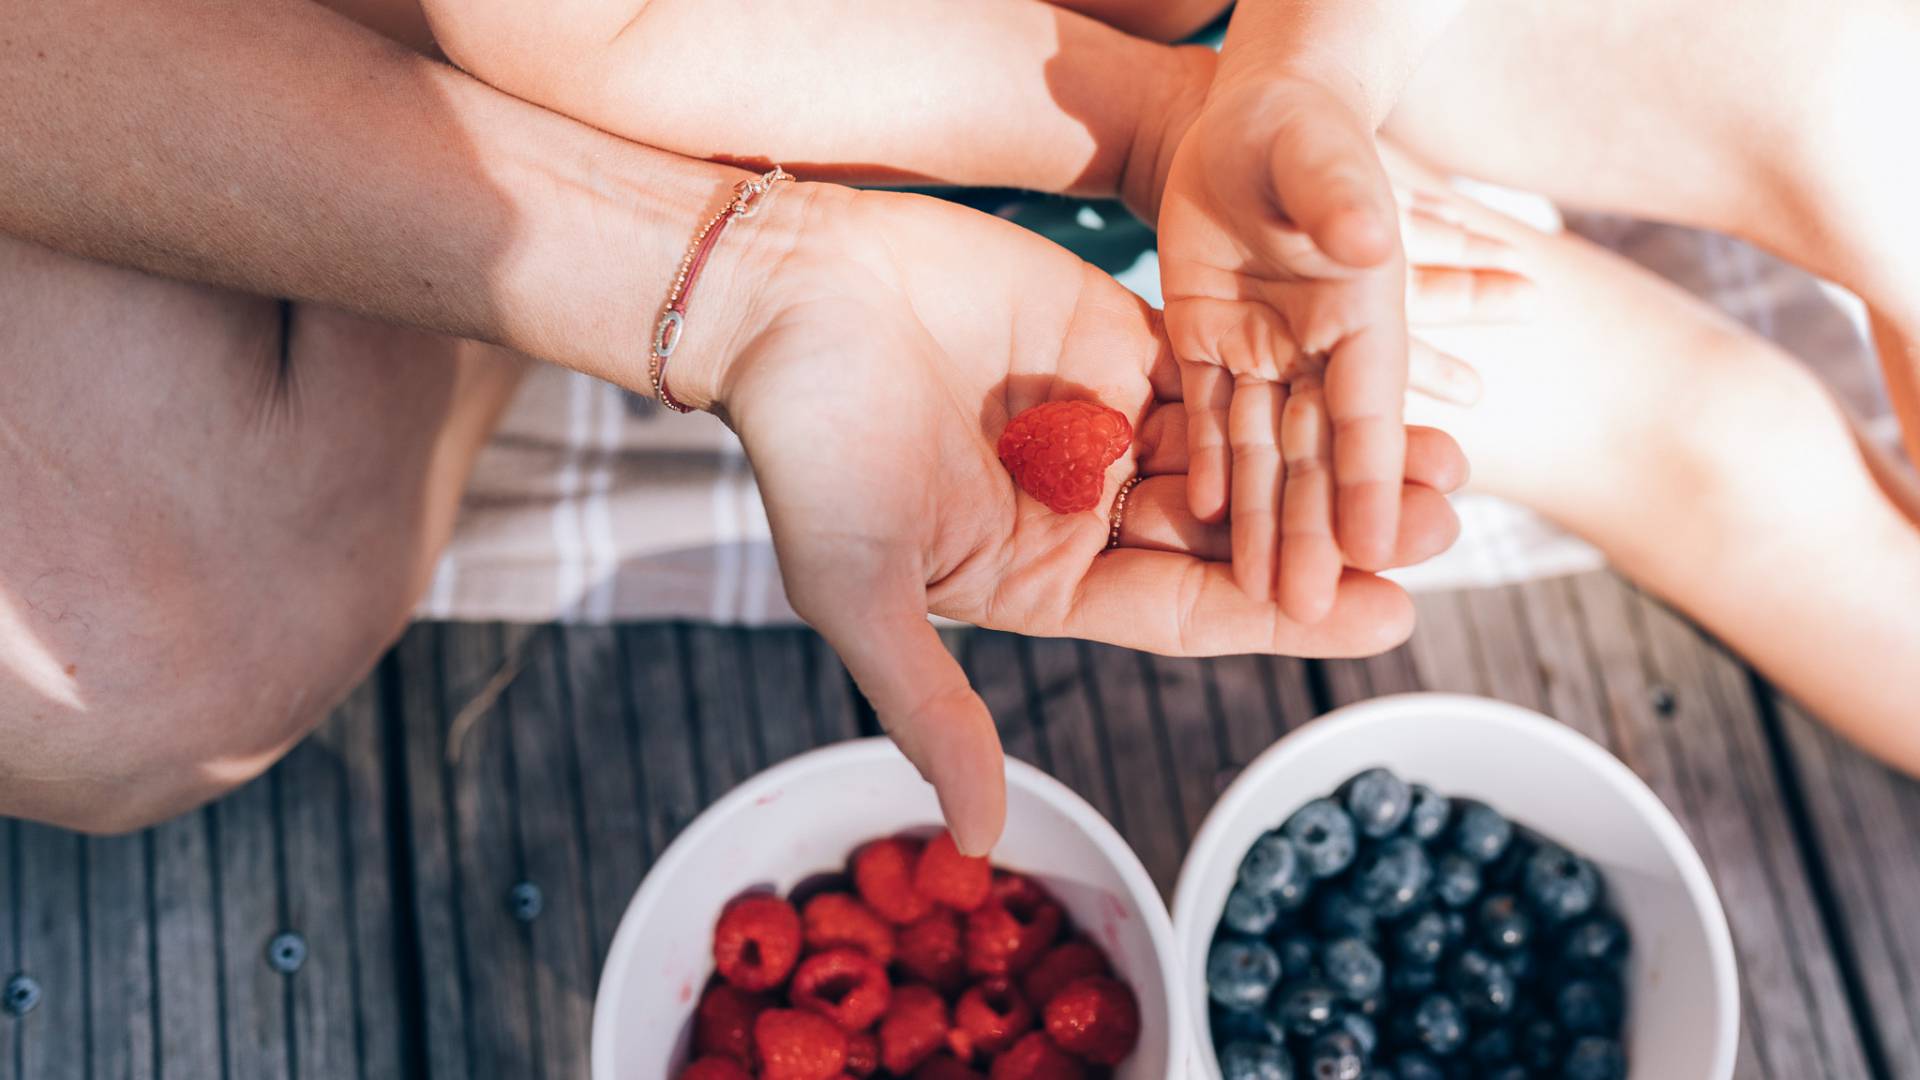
[1365, 50]
[1012, 92]
[274, 147]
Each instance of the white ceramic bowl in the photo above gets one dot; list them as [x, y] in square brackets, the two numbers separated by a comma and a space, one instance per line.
[1684, 1002]
[804, 817]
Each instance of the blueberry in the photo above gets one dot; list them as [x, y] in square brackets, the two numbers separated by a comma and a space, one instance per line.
[1504, 924]
[1324, 836]
[1539, 1044]
[1561, 884]
[1413, 980]
[1456, 929]
[1506, 872]
[1335, 1056]
[1241, 973]
[1353, 968]
[1299, 954]
[1596, 943]
[1594, 1058]
[1244, 1025]
[1588, 1007]
[1506, 1072]
[1439, 1025]
[1484, 985]
[1363, 1031]
[1271, 864]
[1427, 818]
[1480, 833]
[1249, 912]
[1392, 877]
[1417, 1067]
[1456, 879]
[1255, 1061]
[1520, 964]
[21, 996]
[1379, 802]
[1494, 1046]
[1421, 940]
[1306, 1008]
[1338, 913]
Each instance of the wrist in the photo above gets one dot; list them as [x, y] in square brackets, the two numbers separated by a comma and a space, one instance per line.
[1178, 94]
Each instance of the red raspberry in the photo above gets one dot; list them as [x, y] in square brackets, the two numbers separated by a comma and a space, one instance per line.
[723, 1024]
[1058, 452]
[883, 872]
[837, 919]
[863, 1055]
[1061, 966]
[945, 1068]
[914, 1029]
[953, 879]
[797, 1045]
[846, 986]
[933, 951]
[715, 1068]
[1036, 1058]
[757, 942]
[988, 1018]
[1096, 1019]
[1009, 934]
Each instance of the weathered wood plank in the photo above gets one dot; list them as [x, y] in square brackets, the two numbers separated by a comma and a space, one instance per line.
[51, 948]
[1255, 700]
[662, 710]
[723, 714]
[1349, 681]
[1443, 644]
[1797, 1018]
[190, 991]
[10, 889]
[255, 1021]
[997, 667]
[119, 953]
[785, 718]
[1861, 813]
[835, 703]
[1066, 711]
[1184, 722]
[605, 745]
[1149, 816]
[446, 980]
[551, 823]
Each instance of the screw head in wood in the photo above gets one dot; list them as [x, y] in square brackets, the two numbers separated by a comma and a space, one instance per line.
[287, 952]
[525, 902]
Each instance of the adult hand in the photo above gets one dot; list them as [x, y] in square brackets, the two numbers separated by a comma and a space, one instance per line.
[890, 339]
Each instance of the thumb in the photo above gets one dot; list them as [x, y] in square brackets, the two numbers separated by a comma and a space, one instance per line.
[925, 703]
[1328, 181]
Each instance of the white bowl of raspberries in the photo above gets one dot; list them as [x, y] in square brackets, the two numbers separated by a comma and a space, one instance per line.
[817, 924]
[1433, 886]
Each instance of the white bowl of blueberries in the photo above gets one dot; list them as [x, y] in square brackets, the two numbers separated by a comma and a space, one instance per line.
[1431, 887]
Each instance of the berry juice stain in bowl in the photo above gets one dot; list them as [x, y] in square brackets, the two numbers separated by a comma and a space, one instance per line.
[1387, 930]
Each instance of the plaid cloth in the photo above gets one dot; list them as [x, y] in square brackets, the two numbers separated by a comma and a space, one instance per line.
[590, 505]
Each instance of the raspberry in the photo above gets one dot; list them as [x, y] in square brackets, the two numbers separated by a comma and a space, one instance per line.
[1095, 1018]
[757, 942]
[932, 951]
[863, 1055]
[837, 919]
[988, 1018]
[846, 986]
[715, 1068]
[723, 1024]
[1010, 932]
[1058, 452]
[914, 1029]
[883, 872]
[1036, 1058]
[953, 879]
[1059, 967]
[945, 1068]
[797, 1045]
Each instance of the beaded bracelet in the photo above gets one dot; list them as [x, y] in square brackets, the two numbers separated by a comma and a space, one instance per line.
[666, 333]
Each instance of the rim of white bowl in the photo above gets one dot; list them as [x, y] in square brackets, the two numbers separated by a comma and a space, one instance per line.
[1140, 887]
[1239, 796]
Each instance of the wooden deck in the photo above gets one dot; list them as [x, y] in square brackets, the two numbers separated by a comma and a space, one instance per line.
[454, 848]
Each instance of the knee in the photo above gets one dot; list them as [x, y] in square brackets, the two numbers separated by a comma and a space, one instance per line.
[143, 688]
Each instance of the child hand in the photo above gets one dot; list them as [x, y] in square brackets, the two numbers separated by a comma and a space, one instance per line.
[1286, 285]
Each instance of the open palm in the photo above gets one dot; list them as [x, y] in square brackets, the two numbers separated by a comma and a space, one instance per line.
[907, 332]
